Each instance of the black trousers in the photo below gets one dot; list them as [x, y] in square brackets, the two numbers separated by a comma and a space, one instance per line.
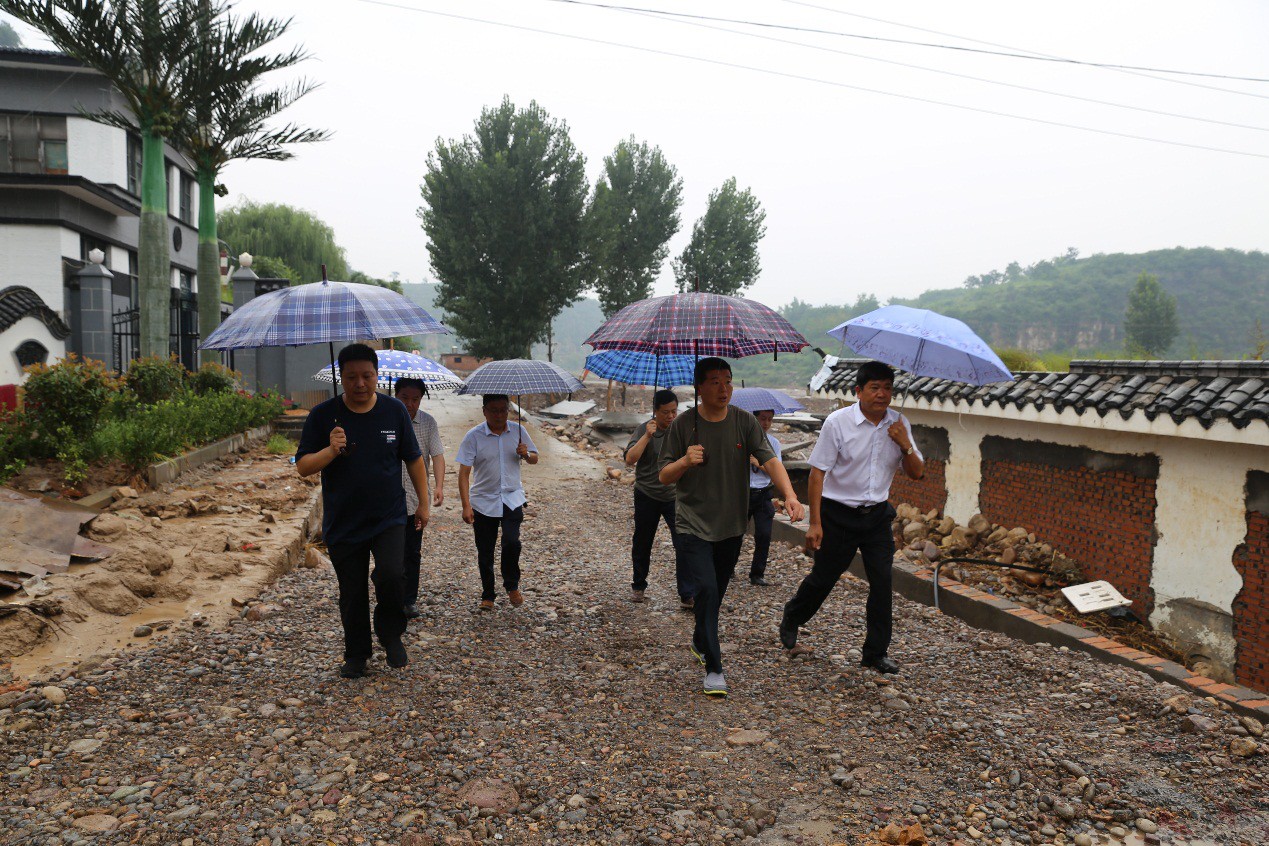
[352, 567]
[486, 529]
[411, 560]
[762, 510]
[648, 514]
[846, 532]
[708, 567]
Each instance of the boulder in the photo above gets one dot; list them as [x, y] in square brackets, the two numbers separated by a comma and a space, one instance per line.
[490, 793]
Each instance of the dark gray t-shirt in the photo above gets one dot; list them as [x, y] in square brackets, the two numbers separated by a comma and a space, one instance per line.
[649, 466]
[712, 499]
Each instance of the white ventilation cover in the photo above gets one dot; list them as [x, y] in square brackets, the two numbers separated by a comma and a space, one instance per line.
[1094, 596]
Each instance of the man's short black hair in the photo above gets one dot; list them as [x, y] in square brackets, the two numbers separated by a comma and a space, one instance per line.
[871, 371]
[418, 384]
[358, 352]
[488, 398]
[706, 366]
[663, 397]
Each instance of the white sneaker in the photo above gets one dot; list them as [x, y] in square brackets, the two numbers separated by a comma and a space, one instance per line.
[715, 684]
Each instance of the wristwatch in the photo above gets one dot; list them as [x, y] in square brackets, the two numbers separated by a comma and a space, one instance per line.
[909, 450]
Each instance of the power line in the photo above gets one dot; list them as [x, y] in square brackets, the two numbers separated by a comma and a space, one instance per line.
[1035, 57]
[1016, 86]
[812, 79]
[1033, 53]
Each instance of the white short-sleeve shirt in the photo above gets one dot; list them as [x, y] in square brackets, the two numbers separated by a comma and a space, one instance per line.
[859, 459]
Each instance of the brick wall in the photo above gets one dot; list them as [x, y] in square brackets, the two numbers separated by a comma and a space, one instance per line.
[1096, 508]
[1251, 606]
[930, 491]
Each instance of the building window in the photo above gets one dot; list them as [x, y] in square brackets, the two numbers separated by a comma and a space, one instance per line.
[87, 244]
[134, 164]
[187, 281]
[32, 144]
[187, 198]
[31, 352]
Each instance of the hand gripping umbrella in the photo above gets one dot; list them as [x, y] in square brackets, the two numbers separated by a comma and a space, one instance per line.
[520, 376]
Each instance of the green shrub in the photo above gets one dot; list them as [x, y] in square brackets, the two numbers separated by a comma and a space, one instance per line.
[71, 394]
[212, 378]
[280, 444]
[17, 443]
[1018, 361]
[155, 379]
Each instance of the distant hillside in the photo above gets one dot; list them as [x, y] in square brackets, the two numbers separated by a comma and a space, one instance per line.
[1077, 305]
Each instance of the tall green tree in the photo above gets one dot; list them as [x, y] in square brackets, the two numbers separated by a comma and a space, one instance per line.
[632, 215]
[1150, 322]
[9, 36]
[142, 48]
[723, 252]
[297, 237]
[229, 121]
[503, 212]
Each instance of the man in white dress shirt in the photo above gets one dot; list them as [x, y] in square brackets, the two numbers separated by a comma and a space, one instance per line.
[852, 465]
[489, 486]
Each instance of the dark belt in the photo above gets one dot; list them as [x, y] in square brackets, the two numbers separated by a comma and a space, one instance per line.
[861, 510]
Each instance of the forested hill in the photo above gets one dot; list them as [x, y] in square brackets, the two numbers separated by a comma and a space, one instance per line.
[1077, 304]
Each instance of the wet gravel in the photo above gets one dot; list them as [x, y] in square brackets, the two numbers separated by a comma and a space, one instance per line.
[577, 718]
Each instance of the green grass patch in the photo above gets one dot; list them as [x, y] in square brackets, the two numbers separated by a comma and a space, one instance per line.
[280, 445]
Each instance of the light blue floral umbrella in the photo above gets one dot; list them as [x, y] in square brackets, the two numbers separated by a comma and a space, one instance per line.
[641, 368]
[923, 343]
[754, 400]
[394, 365]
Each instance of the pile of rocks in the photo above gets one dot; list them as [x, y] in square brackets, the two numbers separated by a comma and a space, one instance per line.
[578, 434]
[928, 537]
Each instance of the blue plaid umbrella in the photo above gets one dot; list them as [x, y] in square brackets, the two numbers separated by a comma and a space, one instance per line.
[394, 365]
[521, 376]
[640, 368]
[322, 313]
[764, 399]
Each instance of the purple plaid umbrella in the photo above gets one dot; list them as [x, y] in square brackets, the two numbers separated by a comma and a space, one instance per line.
[698, 324]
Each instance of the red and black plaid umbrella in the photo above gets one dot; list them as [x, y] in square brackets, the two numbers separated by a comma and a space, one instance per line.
[698, 324]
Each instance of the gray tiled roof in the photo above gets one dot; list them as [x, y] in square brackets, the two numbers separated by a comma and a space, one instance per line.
[18, 301]
[1237, 391]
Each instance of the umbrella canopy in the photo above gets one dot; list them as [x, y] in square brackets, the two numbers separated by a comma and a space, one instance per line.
[394, 365]
[764, 399]
[320, 313]
[641, 368]
[521, 376]
[698, 324]
[924, 343]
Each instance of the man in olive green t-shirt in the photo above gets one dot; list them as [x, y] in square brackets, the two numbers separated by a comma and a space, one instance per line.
[706, 456]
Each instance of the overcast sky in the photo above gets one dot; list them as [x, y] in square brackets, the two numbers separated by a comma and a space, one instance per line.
[865, 191]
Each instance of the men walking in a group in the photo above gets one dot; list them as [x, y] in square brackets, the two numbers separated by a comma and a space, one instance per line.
[410, 392]
[852, 465]
[492, 495]
[653, 501]
[761, 508]
[358, 441]
[706, 455]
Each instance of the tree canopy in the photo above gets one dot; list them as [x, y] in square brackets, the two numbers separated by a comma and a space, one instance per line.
[296, 237]
[723, 251]
[503, 213]
[1150, 323]
[9, 36]
[632, 215]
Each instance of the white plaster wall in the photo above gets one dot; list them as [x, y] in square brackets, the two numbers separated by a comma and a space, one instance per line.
[119, 260]
[31, 256]
[96, 151]
[26, 329]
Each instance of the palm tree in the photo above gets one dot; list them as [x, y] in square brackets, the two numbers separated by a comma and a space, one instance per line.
[227, 122]
[142, 48]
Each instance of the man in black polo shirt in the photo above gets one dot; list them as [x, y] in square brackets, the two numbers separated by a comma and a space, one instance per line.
[358, 442]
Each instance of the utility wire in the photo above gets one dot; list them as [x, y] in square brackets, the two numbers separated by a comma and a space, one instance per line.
[1016, 86]
[1035, 57]
[1127, 69]
[816, 80]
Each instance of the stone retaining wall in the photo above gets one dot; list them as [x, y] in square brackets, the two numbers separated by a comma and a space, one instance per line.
[1251, 607]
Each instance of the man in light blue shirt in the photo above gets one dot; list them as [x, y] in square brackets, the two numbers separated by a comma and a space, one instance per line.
[492, 496]
[761, 509]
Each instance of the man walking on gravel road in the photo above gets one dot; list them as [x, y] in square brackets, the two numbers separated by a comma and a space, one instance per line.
[428, 434]
[653, 501]
[706, 455]
[852, 465]
[358, 441]
[493, 497]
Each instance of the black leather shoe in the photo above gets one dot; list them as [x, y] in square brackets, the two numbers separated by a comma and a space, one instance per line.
[788, 635]
[759, 582]
[881, 665]
[395, 650]
[354, 668]
[411, 612]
